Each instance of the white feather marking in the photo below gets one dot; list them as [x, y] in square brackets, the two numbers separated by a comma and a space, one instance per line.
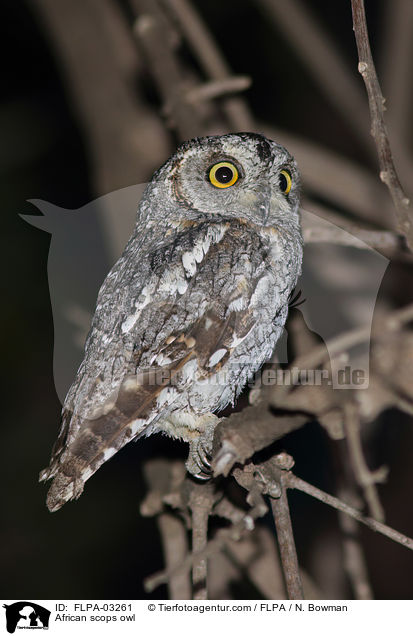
[173, 281]
[143, 300]
[167, 396]
[236, 340]
[108, 453]
[182, 286]
[136, 426]
[206, 244]
[200, 249]
[237, 304]
[198, 253]
[160, 359]
[189, 370]
[260, 291]
[189, 263]
[216, 357]
[86, 473]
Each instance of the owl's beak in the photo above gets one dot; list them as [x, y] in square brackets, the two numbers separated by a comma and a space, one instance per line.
[263, 202]
[264, 209]
[258, 200]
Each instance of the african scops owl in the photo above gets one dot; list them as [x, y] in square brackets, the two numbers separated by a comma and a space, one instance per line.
[191, 310]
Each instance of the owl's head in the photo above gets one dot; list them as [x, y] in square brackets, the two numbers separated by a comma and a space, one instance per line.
[243, 175]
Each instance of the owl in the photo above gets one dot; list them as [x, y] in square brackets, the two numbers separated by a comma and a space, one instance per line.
[190, 311]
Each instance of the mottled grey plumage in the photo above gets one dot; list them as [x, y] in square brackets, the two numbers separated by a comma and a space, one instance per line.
[190, 311]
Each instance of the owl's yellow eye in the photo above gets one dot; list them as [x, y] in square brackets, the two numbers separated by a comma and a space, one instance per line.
[223, 174]
[285, 181]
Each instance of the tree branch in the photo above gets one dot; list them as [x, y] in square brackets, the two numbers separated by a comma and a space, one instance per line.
[200, 502]
[153, 39]
[286, 544]
[388, 172]
[365, 478]
[212, 62]
[295, 482]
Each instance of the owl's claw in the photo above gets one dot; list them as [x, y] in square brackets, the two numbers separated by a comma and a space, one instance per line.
[199, 462]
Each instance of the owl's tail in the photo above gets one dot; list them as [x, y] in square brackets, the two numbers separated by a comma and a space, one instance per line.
[63, 489]
[93, 444]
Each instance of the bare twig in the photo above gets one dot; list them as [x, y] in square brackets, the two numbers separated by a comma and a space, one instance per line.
[378, 128]
[175, 548]
[201, 503]
[362, 234]
[218, 88]
[295, 482]
[286, 544]
[223, 537]
[353, 237]
[354, 561]
[213, 63]
[164, 477]
[242, 434]
[346, 340]
[152, 37]
[365, 478]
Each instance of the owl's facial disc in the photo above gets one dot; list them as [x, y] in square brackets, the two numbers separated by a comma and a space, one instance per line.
[240, 175]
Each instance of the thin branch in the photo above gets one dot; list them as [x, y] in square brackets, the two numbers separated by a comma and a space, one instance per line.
[201, 502]
[286, 544]
[364, 477]
[223, 537]
[362, 235]
[354, 561]
[378, 128]
[152, 37]
[295, 482]
[164, 479]
[242, 434]
[175, 548]
[218, 88]
[211, 60]
[346, 340]
[353, 237]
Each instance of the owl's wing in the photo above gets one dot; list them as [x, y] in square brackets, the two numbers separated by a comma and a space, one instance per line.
[145, 348]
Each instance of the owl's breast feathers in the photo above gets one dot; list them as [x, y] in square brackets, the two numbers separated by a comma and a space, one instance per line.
[176, 334]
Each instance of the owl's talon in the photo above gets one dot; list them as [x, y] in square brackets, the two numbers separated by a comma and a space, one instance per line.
[199, 462]
[205, 458]
[203, 476]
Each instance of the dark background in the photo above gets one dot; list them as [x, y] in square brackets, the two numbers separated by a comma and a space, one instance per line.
[100, 546]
